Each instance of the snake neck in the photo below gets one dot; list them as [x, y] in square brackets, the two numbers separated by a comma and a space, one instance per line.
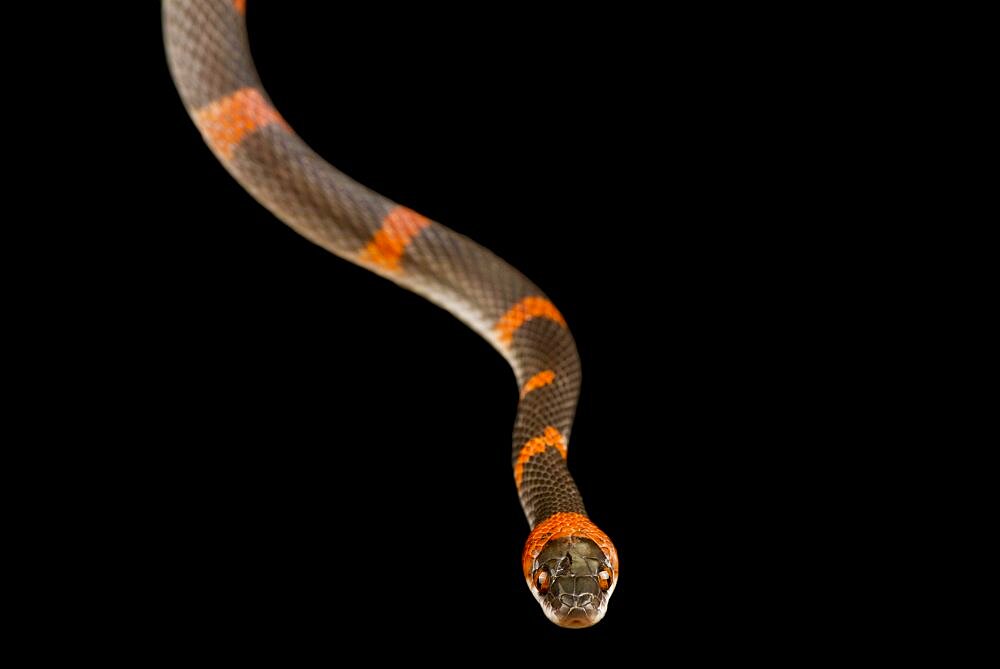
[548, 371]
[209, 58]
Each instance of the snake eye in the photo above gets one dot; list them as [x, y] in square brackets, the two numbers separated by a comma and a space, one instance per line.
[604, 578]
[542, 581]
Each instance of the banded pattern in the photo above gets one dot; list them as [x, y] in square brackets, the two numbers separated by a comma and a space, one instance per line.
[210, 61]
[539, 380]
[550, 439]
[387, 247]
[221, 89]
[522, 312]
[225, 122]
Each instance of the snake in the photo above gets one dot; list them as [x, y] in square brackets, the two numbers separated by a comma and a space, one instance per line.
[570, 565]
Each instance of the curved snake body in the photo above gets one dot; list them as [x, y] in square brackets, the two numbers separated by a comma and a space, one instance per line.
[571, 566]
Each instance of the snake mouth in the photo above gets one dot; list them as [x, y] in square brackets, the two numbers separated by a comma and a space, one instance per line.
[574, 617]
[579, 618]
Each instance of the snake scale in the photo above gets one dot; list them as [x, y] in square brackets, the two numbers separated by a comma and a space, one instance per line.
[570, 565]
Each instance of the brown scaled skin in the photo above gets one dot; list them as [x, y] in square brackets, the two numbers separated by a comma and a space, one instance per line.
[571, 566]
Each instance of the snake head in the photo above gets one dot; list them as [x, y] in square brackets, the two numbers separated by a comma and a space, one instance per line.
[572, 569]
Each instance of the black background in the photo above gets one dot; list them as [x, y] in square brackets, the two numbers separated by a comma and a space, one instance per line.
[322, 457]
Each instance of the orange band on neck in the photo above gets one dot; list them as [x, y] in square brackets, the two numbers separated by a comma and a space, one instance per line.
[561, 525]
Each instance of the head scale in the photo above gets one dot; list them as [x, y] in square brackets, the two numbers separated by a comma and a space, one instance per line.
[572, 568]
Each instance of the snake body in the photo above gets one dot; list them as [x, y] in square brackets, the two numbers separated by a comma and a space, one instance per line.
[569, 563]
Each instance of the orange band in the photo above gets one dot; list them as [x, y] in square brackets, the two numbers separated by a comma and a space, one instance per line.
[240, 5]
[552, 437]
[539, 380]
[389, 244]
[561, 525]
[524, 311]
[227, 121]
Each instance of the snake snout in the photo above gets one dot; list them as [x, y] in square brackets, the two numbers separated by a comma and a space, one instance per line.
[584, 601]
[578, 610]
[576, 601]
[577, 618]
